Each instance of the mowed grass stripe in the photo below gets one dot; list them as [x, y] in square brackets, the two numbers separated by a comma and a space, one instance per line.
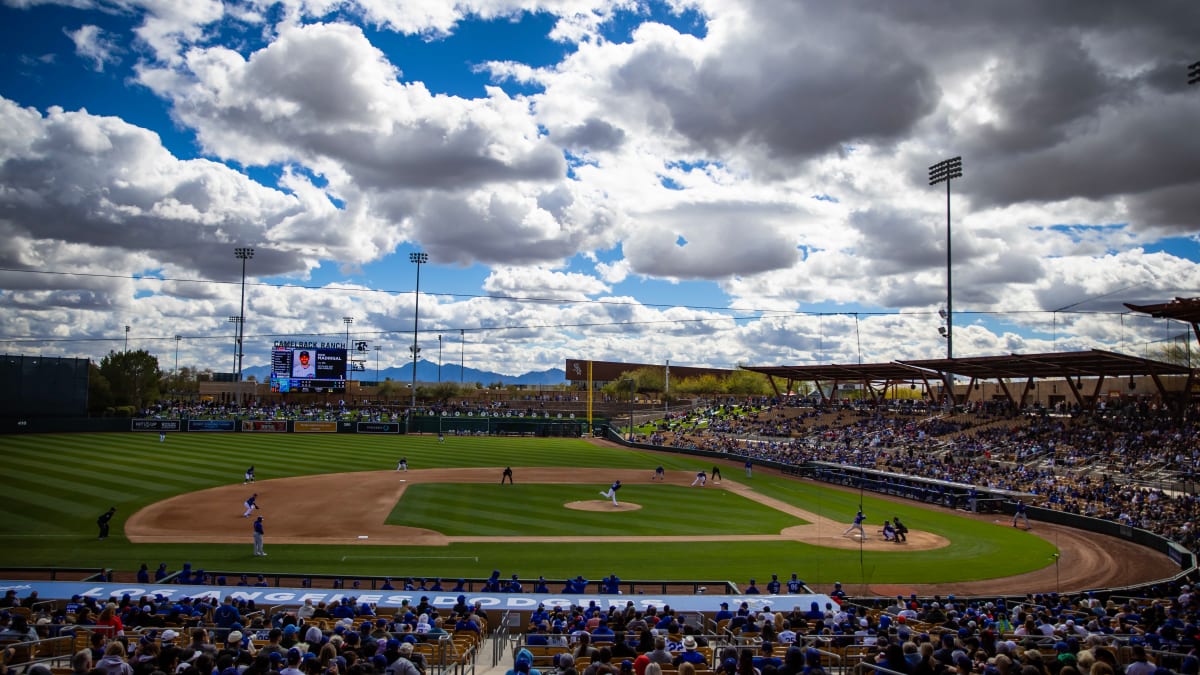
[459, 509]
[118, 475]
[978, 550]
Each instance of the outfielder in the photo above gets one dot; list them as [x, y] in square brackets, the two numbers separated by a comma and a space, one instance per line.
[612, 492]
[250, 505]
[857, 525]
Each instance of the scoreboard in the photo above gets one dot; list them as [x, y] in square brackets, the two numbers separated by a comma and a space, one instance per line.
[308, 369]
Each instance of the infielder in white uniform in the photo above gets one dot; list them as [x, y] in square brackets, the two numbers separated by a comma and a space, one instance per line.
[612, 492]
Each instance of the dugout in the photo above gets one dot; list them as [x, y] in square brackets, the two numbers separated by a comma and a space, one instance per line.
[928, 490]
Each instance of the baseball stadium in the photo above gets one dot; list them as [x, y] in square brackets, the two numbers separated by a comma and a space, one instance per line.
[541, 523]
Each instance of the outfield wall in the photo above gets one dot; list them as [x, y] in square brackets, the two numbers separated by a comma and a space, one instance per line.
[514, 424]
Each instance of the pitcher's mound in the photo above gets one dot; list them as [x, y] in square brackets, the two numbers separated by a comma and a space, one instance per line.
[601, 505]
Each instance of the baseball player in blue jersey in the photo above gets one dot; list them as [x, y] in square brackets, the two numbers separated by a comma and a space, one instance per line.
[701, 478]
[794, 585]
[612, 492]
[249, 478]
[857, 525]
[773, 585]
[1020, 514]
[250, 505]
[258, 536]
[659, 474]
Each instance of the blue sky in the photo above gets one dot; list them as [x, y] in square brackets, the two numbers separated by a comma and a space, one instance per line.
[705, 181]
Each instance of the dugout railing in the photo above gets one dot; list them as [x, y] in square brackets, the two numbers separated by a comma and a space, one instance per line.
[628, 587]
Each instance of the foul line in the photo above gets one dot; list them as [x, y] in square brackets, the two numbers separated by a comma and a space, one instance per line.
[409, 557]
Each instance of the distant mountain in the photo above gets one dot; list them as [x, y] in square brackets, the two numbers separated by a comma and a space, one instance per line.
[427, 373]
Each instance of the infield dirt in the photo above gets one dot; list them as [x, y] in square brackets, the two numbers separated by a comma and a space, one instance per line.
[316, 509]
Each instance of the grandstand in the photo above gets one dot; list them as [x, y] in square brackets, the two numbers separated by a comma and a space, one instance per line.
[1124, 470]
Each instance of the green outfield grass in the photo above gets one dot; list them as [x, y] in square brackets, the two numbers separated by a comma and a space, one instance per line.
[55, 486]
[665, 510]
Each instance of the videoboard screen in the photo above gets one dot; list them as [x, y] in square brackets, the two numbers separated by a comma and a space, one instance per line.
[308, 368]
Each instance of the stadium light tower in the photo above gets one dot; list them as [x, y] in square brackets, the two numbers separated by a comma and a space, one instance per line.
[462, 353]
[417, 258]
[126, 338]
[439, 358]
[177, 339]
[1194, 73]
[242, 253]
[943, 172]
[632, 393]
[349, 372]
[377, 348]
[237, 324]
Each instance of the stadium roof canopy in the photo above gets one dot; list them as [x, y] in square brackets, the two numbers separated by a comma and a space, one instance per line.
[855, 372]
[1180, 309]
[1093, 363]
[1097, 364]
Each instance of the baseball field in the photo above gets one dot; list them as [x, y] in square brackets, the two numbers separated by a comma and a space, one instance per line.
[335, 504]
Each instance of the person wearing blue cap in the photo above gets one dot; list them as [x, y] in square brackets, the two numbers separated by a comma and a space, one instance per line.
[292, 659]
[612, 492]
[523, 664]
[258, 537]
[795, 585]
[1020, 514]
[723, 613]
[773, 585]
[857, 525]
[513, 585]
[612, 585]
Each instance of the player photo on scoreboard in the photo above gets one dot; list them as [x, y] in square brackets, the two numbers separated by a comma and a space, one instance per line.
[304, 363]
